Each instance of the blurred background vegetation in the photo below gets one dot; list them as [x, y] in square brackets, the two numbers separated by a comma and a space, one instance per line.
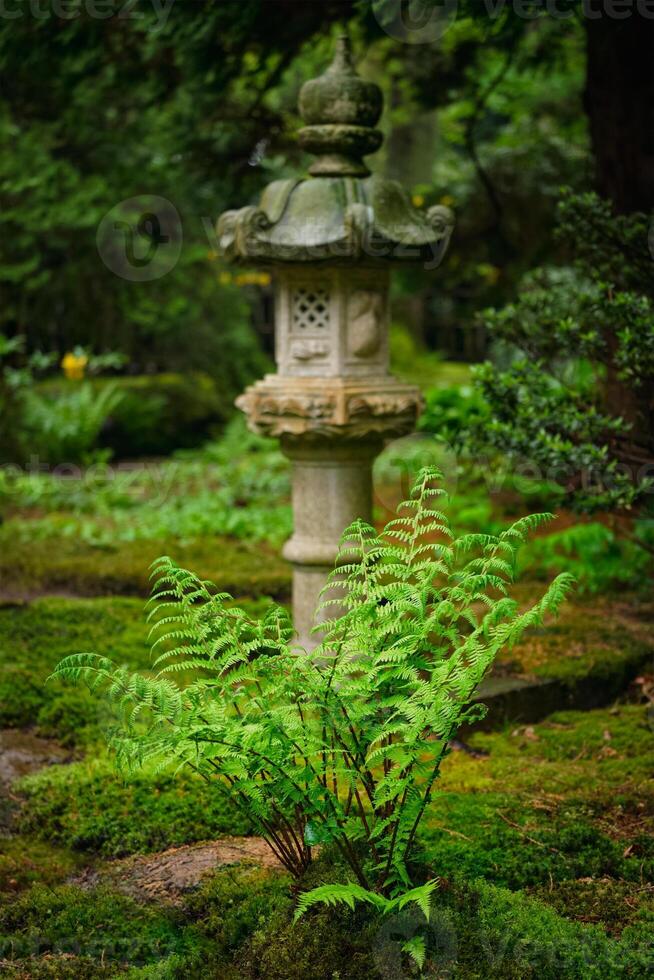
[537, 129]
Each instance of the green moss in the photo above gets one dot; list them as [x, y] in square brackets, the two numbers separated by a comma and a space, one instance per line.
[69, 565]
[236, 902]
[603, 639]
[602, 751]
[239, 926]
[568, 799]
[53, 966]
[324, 946]
[35, 636]
[611, 903]
[87, 806]
[27, 861]
[487, 931]
[100, 925]
[476, 931]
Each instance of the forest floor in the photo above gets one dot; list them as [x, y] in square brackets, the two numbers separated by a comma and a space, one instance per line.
[541, 833]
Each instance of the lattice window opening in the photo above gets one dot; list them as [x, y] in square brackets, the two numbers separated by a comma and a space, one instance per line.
[310, 309]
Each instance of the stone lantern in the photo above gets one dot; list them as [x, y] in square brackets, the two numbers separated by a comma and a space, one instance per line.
[331, 239]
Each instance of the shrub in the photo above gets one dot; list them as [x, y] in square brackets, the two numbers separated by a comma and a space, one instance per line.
[342, 746]
[155, 413]
[65, 429]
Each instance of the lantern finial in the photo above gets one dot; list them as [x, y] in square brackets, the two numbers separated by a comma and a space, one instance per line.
[340, 111]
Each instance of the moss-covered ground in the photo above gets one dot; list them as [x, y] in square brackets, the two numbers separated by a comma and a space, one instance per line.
[541, 832]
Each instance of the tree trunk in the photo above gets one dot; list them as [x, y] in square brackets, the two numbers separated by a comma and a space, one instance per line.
[619, 101]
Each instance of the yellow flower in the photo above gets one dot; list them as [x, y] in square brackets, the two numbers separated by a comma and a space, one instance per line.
[490, 273]
[418, 200]
[447, 200]
[74, 365]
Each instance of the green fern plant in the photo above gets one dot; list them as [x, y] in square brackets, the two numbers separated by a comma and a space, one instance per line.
[341, 746]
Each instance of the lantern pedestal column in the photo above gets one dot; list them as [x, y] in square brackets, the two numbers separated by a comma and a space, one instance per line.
[332, 487]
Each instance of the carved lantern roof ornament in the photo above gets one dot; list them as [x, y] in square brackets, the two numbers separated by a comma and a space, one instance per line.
[340, 211]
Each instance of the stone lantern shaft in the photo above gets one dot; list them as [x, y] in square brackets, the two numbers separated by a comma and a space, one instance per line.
[331, 240]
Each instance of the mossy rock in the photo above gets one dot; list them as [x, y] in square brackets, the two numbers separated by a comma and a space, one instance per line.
[35, 636]
[585, 658]
[590, 636]
[88, 806]
[568, 799]
[71, 566]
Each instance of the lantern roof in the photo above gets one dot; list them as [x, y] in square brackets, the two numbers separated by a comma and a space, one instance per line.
[340, 211]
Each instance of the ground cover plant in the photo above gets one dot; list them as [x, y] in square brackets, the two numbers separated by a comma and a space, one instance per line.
[237, 485]
[341, 747]
[554, 918]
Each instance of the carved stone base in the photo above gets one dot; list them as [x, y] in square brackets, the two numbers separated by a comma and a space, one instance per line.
[331, 408]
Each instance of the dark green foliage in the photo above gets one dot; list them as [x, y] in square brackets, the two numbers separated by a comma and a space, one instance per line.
[96, 111]
[66, 429]
[235, 903]
[599, 559]
[448, 411]
[577, 401]
[50, 431]
[157, 413]
[87, 806]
